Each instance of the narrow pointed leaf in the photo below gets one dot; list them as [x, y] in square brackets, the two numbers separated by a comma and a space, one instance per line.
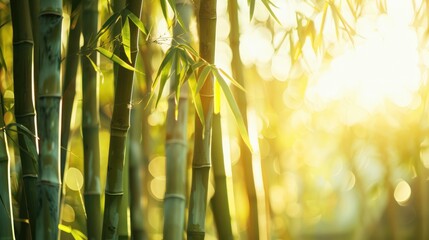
[267, 4]
[165, 75]
[251, 8]
[115, 58]
[203, 76]
[196, 100]
[109, 22]
[168, 56]
[136, 21]
[232, 80]
[126, 42]
[234, 108]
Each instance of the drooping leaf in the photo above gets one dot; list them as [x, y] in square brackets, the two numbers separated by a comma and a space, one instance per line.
[197, 100]
[108, 23]
[96, 68]
[232, 80]
[165, 74]
[203, 77]
[268, 5]
[136, 21]
[168, 56]
[78, 235]
[115, 59]
[234, 107]
[251, 4]
[126, 40]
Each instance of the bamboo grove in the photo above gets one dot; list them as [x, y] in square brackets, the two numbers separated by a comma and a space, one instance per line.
[244, 143]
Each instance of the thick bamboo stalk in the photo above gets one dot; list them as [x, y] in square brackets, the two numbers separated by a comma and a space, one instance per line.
[25, 113]
[201, 158]
[219, 202]
[124, 232]
[91, 122]
[48, 119]
[69, 82]
[6, 216]
[176, 139]
[118, 132]
[240, 96]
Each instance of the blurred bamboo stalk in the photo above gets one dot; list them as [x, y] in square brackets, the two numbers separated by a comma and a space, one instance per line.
[48, 119]
[240, 96]
[176, 136]
[6, 215]
[25, 113]
[69, 82]
[118, 132]
[201, 161]
[91, 122]
[219, 202]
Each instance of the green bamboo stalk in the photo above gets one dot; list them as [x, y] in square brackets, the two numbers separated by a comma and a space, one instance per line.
[240, 96]
[24, 105]
[201, 158]
[69, 82]
[6, 215]
[124, 220]
[35, 10]
[176, 138]
[91, 122]
[219, 202]
[118, 132]
[48, 119]
[135, 156]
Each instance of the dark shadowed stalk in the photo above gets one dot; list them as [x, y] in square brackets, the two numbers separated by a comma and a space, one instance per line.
[6, 216]
[176, 137]
[91, 122]
[24, 105]
[118, 132]
[69, 81]
[219, 202]
[34, 12]
[201, 158]
[240, 96]
[48, 119]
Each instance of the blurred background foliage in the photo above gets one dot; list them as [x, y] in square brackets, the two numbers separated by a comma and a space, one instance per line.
[338, 118]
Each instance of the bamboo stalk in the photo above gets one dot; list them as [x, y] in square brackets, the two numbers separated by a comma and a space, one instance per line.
[6, 215]
[240, 96]
[219, 202]
[35, 10]
[118, 132]
[24, 104]
[69, 83]
[91, 122]
[201, 162]
[176, 138]
[48, 121]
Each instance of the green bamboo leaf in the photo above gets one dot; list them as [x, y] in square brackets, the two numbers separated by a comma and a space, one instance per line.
[203, 77]
[96, 68]
[168, 56]
[165, 75]
[267, 4]
[251, 4]
[196, 100]
[234, 108]
[126, 41]
[136, 21]
[164, 9]
[109, 22]
[232, 80]
[189, 50]
[115, 59]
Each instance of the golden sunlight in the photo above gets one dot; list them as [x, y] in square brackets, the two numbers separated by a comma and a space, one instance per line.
[381, 66]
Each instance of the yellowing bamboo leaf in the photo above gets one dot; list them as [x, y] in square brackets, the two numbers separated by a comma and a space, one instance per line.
[232, 80]
[115, 59]
[126, 41]
[234, 107]
[319, 37]
[78, 235]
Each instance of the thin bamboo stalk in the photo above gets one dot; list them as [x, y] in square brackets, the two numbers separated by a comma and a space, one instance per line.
[35, 10]
[240, 96]
[118, 132]
[48, 121]
[201, 161]
[25, 113]
[91, 122]
[219, 202]
[69, 82]
[6, 216]
[176, 138]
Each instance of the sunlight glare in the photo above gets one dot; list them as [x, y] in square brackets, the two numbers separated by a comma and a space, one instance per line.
[402, 192]
[383, 66]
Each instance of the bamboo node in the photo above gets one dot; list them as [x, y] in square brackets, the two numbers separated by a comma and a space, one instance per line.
[174, 195]
[177, 141]
[202, 166]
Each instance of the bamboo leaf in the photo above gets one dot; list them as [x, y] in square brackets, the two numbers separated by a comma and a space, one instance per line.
[78, 235]
[115, 59]
[251, 4]
[234, 107]
[318, 40]
[196, 100]
[170, 53]
[136, 21]
[109, 22]
[267, 4]
[126, 41]
[164, 9]
[203, 76]
[96, 68]
[2, 60]
[232, 80]
[165, 75]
